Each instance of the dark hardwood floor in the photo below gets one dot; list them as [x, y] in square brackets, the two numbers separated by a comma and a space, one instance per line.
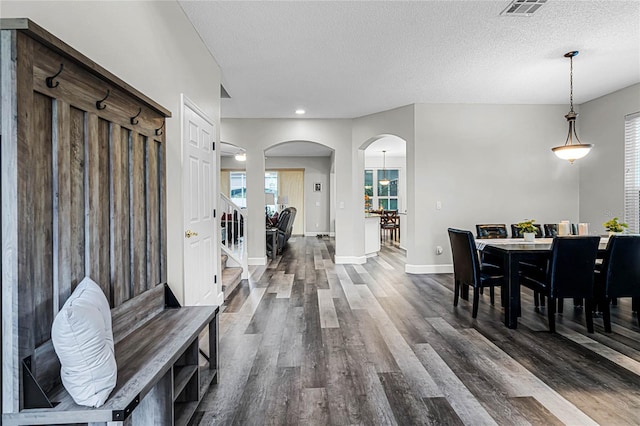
[306, 341]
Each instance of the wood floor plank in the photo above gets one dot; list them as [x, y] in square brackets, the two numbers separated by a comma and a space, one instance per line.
[313, 407]
[467, 408]
[415, 373]
[349, 289]
[328, 316]
[407, 408]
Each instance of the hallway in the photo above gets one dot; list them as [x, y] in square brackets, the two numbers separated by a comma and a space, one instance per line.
[306, 341]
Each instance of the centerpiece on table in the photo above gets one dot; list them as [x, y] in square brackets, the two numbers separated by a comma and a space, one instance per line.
[528, 229]
[614, 226]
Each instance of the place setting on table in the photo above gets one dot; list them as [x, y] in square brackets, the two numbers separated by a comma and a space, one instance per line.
[500, 261]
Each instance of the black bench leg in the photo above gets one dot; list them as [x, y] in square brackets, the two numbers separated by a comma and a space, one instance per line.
[213, 348]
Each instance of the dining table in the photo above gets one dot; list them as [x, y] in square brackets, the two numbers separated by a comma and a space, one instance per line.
[512, 251]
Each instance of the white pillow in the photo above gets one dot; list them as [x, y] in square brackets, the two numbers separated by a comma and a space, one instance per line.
[83, 339]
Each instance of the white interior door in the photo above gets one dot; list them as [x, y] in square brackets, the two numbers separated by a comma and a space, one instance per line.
[200, 237]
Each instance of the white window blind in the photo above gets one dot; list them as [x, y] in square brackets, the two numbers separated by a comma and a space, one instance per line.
[632, 172]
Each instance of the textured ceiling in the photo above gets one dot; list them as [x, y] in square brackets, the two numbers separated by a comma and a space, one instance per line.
[347, 59]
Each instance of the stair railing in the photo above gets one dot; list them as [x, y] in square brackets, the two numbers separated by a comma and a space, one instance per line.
[233, 227]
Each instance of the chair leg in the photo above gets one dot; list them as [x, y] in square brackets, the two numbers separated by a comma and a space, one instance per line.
[536, 299]
[492, 295]
[635, 302]
[614, 301]
[543, 300]
[476, 298]
[560, 305]
[589, 315]
[552, 315]
[464, 292]
[456, 292]
[606, 316]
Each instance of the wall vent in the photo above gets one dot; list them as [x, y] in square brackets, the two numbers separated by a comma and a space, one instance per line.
[523, 7]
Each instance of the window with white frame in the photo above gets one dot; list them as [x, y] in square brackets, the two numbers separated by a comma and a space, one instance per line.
[378, 196]
[632, 172]
[238, 188]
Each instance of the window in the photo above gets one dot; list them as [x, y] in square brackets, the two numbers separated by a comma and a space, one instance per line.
[632, 172]
[379, 196]
[238, 188]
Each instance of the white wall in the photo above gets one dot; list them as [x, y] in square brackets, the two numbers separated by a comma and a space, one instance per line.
[601, 122]
[154, 48]
[316, 204]
[256, 135]
[487, 164]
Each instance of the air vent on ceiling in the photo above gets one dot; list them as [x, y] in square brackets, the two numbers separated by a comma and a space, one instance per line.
[523, 7]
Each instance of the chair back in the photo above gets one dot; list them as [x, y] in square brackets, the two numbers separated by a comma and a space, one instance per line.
[516, 233]
[551, 230]
[491, 231]
[466, 267]
[292, 217]
[621, 266]
[571, 271]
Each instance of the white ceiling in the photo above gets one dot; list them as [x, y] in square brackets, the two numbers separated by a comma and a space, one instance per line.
[344, 59]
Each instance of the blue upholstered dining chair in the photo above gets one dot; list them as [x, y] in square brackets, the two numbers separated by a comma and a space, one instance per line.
[619, 274]
[551, 230]
[569, 274]
[491, 231]
[468, 270]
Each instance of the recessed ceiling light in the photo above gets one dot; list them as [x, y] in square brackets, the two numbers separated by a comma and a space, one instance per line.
[300, 111]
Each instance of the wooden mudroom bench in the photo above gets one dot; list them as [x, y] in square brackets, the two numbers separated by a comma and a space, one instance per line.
[160, 376]
[83, 192]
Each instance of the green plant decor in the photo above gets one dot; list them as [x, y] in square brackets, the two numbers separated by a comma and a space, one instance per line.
[614, 225]
[527, 226]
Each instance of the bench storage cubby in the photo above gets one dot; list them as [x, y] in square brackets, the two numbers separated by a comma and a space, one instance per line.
[84, 194]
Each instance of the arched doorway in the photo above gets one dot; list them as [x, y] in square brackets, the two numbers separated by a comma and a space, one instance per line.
[300, 174]
[384, 167]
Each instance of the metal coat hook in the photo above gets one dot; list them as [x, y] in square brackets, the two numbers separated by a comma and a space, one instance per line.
[49, 80]
[133, 119]
[159, 129]
[99, 104]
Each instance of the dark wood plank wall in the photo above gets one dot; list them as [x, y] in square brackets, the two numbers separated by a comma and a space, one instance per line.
[92, 192]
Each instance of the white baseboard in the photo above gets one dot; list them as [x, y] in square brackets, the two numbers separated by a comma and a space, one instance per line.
[220, 298]
[353, 260]
[428, 269]
[258, 261]
[332, 234]
[374, 254]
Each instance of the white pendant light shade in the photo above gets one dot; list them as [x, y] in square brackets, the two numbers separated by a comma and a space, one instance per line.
[572, 152]
[241, 156]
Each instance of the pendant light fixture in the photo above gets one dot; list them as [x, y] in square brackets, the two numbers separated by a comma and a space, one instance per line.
[241, 156]
[572, 151]
[384, 181]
